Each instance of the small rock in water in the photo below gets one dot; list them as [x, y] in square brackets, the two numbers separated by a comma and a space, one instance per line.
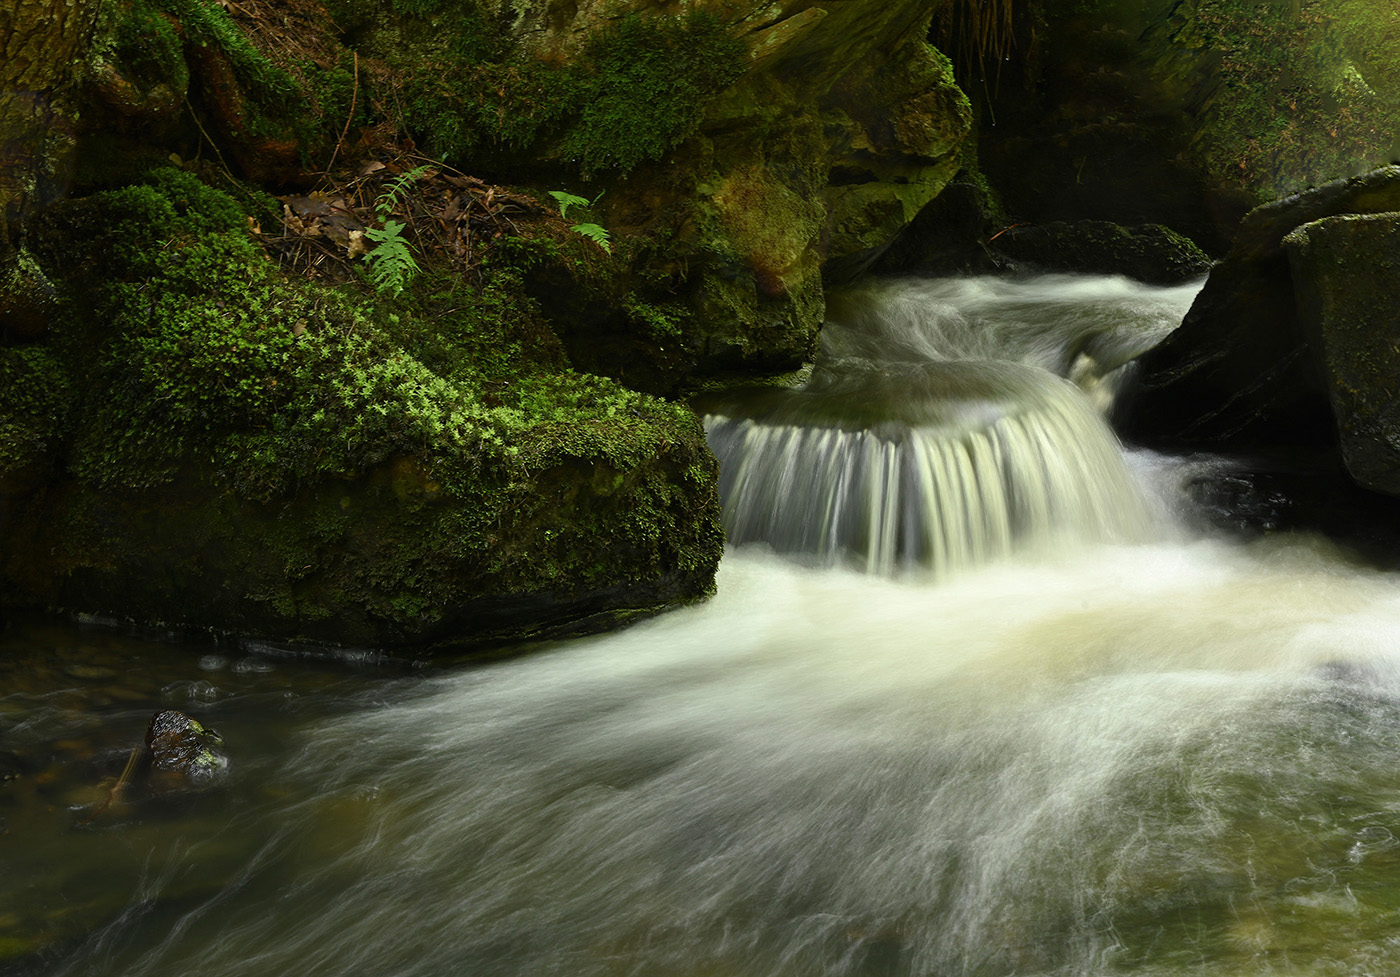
[182, 750]
[95, 673]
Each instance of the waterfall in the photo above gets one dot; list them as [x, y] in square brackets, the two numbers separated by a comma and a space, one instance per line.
[945, 425]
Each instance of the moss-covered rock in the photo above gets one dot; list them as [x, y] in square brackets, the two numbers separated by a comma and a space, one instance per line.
[1284, 95]
[1346, 275]
[1148, 252]
[1190, 113]
[733, 150]
[1244, 369]
[251, 453]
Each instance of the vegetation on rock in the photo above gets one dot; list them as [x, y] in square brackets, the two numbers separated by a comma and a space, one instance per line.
[1289, 98]
[352, 468]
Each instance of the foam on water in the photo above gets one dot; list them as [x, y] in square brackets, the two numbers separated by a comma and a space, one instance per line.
[1116, 762]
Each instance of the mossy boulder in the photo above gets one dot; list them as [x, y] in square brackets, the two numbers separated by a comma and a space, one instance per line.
[202, 441]
[1190, 113]
[1346, 276]
[1246, 369]
[733, 151]
[1150, 253]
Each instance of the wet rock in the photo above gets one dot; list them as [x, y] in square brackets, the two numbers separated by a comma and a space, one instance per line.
[1346, 277]
[1244, 370]
[12, 767]
[1150, 253]
[1298, 491]
[181, 751]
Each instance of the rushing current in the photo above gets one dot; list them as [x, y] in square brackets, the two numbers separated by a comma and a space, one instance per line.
[946, 424]
[1137, 751]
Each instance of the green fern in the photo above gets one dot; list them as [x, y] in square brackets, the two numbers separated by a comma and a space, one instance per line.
[385, 203]
[594, 232]
[567, 200]
[391, 263]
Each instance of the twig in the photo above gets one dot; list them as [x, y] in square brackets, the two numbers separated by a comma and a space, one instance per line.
[116, 788]
[354, 94]
[999, 233]
[212, 144]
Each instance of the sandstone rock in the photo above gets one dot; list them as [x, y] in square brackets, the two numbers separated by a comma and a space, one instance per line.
[1243, 370]
[1150, 253]
[1346, 276]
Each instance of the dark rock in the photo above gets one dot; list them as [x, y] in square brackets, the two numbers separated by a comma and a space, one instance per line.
[947, 236]
[181, 751]
[1242, 371]
[1150, 253]
[1346, 276]
[1297, 491]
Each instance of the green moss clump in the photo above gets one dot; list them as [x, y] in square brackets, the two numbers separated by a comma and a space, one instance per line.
[35, 394]
[146, 44]
[646, 84]
[345, 466]
[638, 89]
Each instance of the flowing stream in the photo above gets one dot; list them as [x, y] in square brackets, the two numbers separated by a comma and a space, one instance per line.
[1007, 733]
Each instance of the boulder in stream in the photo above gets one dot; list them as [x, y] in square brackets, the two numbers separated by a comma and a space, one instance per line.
[1346, 276]
[1245, 369]
[1151, 253]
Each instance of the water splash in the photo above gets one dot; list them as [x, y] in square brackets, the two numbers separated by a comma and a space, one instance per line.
[941, 428]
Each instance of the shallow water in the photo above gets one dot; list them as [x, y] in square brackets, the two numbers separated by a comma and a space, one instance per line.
[1168, 756]
[1159, 759]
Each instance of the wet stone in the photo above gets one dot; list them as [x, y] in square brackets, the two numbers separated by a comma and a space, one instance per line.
[91, 673]
[182, 750]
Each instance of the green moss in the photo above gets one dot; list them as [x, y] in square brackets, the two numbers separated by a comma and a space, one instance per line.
[207, 23]
[346, 454]
[646, 84]
[147, 46]
[1298, 100]
[637, 90]
[152, 43]
[35, 394]
[464, 108]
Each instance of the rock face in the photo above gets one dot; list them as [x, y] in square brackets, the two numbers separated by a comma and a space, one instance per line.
[1346, 275]
[1245, 369]
[1191, 112]
[245, 452]
[740, 149]
[1150, 253]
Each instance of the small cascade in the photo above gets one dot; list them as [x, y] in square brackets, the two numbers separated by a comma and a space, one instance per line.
[914, 445]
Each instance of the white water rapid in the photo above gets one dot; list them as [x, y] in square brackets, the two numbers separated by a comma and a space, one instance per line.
[1139, 753]
[941, 428]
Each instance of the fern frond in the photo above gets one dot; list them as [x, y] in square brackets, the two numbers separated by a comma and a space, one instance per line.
[385, 203]
[391, 263]
[595, 233]
[567, 200]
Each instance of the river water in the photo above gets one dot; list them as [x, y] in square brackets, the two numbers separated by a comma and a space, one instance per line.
[1061, 746]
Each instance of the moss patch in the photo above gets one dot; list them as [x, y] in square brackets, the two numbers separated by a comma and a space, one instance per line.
[1293, 100]
[637, 89]
[326, 464]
